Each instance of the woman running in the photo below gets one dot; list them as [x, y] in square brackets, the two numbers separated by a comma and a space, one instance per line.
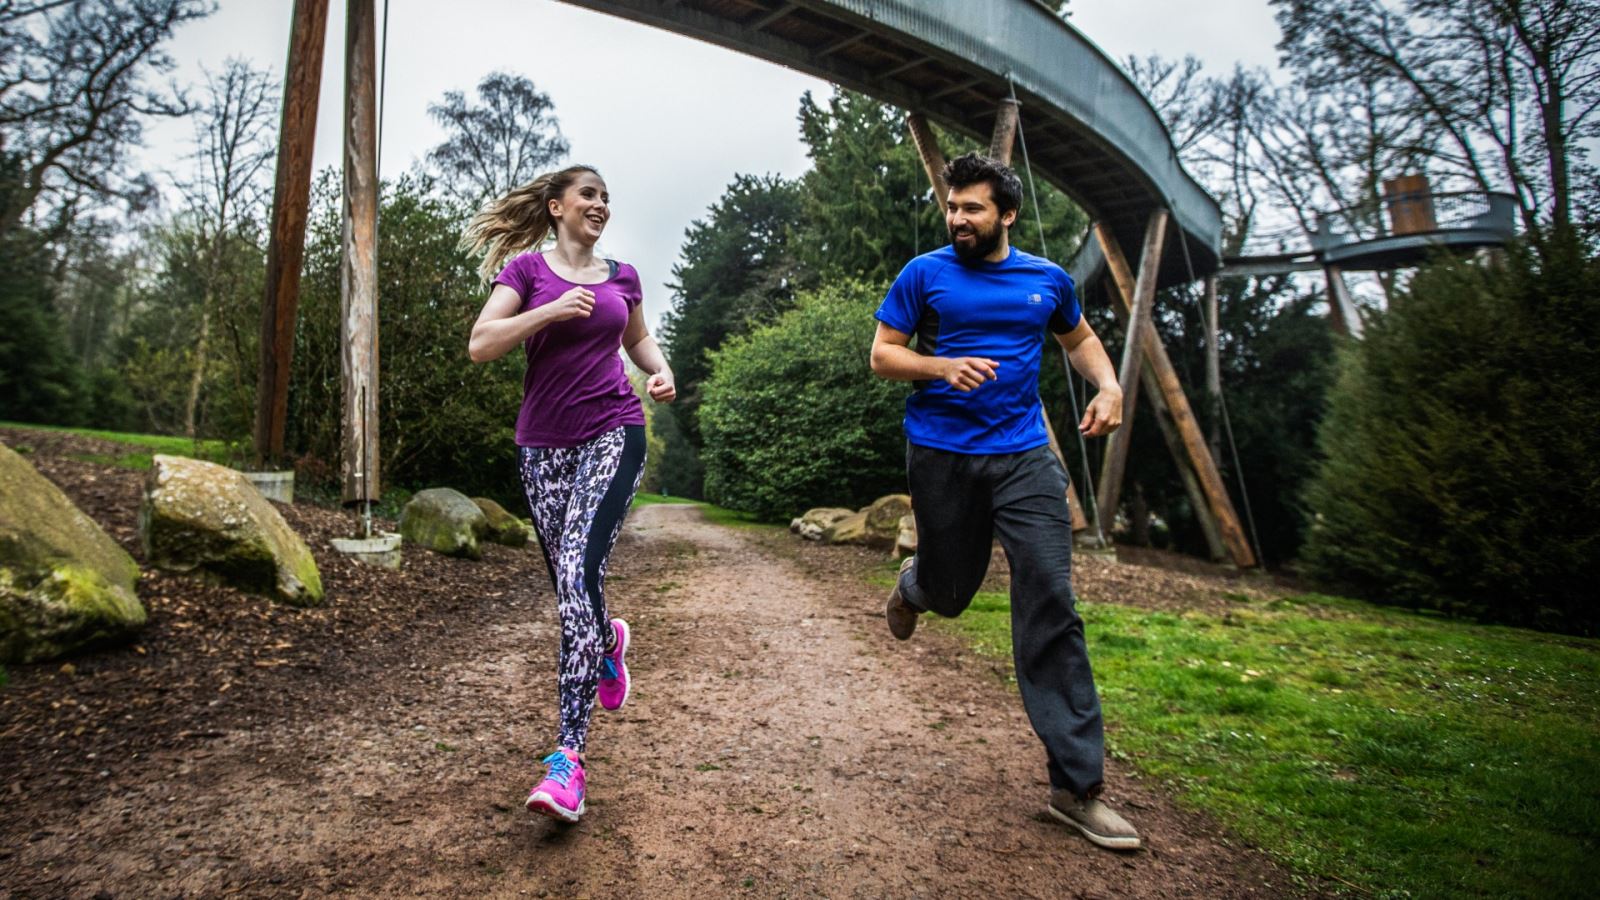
[580, 433]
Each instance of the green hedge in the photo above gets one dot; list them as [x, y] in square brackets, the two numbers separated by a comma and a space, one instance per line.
[1462, 446]
[794, 418]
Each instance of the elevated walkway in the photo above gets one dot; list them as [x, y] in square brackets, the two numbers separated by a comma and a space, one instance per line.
[1419, 225]
[1089, 130]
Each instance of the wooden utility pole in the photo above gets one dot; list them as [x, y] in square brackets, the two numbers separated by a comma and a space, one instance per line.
[358, 283]
[1218, 506]
[1144, 294]
[1213, 370]
[291, 197]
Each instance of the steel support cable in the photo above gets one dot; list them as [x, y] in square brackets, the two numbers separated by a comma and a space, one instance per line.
[1222, 403]
[383, 86]
[1072, 390]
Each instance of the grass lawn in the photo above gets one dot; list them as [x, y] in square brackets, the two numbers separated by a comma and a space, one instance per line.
[1403, 755]
[148, 445]
[645, 498]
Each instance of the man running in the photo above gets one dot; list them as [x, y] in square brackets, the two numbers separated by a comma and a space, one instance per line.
[980, 467]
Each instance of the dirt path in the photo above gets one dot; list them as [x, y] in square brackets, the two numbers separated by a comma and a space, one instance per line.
[778, 743]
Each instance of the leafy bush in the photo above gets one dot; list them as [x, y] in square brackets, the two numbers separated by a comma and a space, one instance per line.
[793, 416]
[1462, 446]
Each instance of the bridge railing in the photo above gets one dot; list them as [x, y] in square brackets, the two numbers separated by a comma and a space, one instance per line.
[1417, 212]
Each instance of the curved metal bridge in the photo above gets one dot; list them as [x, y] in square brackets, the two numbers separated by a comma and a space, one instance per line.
[1089, 130]
[959, 62]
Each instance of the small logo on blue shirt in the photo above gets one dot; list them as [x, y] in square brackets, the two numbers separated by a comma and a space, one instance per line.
[1035, 298]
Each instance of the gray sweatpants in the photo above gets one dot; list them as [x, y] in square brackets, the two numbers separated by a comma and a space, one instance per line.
[962, 502]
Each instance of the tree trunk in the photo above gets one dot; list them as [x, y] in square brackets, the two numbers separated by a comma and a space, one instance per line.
[1555, 139]
[201, 347]
[1139, 517]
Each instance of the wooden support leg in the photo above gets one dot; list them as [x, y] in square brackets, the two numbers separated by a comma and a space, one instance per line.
[1217, 503]
[1344, 317]
[1213, 370]
[359, 281]
[1144, 292]
[1215, 546]
[1005, 131]
[932, 158]
[1080, 522]
[291, 198]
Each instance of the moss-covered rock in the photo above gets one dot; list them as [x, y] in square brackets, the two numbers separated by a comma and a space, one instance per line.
[883, 516]
[205, 518]
[445, 521]
[851, 529]
[65, 585]
[877, 525]
[503, 528]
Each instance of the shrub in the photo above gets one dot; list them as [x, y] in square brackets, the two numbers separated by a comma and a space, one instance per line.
[1462, 446]
[793, 416]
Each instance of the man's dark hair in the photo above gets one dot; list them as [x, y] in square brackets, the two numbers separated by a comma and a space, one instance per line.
[972, 168]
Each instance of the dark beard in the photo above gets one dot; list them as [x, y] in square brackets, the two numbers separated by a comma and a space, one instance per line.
[984, 243]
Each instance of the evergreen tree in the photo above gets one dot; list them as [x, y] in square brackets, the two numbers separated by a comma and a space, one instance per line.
[40, 380]
[737, 272]
[1462, 446]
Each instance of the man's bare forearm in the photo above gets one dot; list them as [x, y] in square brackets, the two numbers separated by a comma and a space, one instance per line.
[899, 363]
[1091, 361]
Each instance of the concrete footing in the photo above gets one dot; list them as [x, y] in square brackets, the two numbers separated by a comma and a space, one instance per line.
[275, 486]
[381, 549]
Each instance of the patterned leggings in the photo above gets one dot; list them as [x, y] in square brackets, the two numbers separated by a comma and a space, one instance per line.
[579, 496]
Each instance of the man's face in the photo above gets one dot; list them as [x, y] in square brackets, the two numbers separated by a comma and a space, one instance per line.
[974, 221]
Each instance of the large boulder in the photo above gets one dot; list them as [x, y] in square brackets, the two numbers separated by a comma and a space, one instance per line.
[883, 516]
[502, 527]
[851, 529]
[905, 544]
[811, 525]
[877, 525]
[445, 521]
[65, 585]
[204, 518]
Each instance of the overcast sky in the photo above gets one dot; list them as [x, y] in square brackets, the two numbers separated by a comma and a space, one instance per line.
[668, 120]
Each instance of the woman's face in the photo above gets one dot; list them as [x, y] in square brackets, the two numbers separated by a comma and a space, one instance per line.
[584, 208]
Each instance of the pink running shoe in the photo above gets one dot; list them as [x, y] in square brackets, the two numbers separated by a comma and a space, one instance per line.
[560, 794]
[613, 671]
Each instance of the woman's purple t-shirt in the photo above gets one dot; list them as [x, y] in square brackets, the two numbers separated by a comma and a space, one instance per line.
[575, 388]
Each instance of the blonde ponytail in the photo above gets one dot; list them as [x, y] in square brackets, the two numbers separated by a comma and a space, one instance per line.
[520, 220]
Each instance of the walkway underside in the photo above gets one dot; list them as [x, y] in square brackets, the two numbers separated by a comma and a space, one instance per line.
[1089, 131]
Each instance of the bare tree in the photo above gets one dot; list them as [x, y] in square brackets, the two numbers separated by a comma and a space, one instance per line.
[498, 143]
[1179, 95]
[1512, 87]
[234, 141]
[74, 94]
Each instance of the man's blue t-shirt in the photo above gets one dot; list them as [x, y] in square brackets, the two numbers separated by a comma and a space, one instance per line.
[995, 310]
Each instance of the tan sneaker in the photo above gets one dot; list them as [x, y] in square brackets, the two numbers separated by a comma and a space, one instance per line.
[902, 616]
[1098, 822]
